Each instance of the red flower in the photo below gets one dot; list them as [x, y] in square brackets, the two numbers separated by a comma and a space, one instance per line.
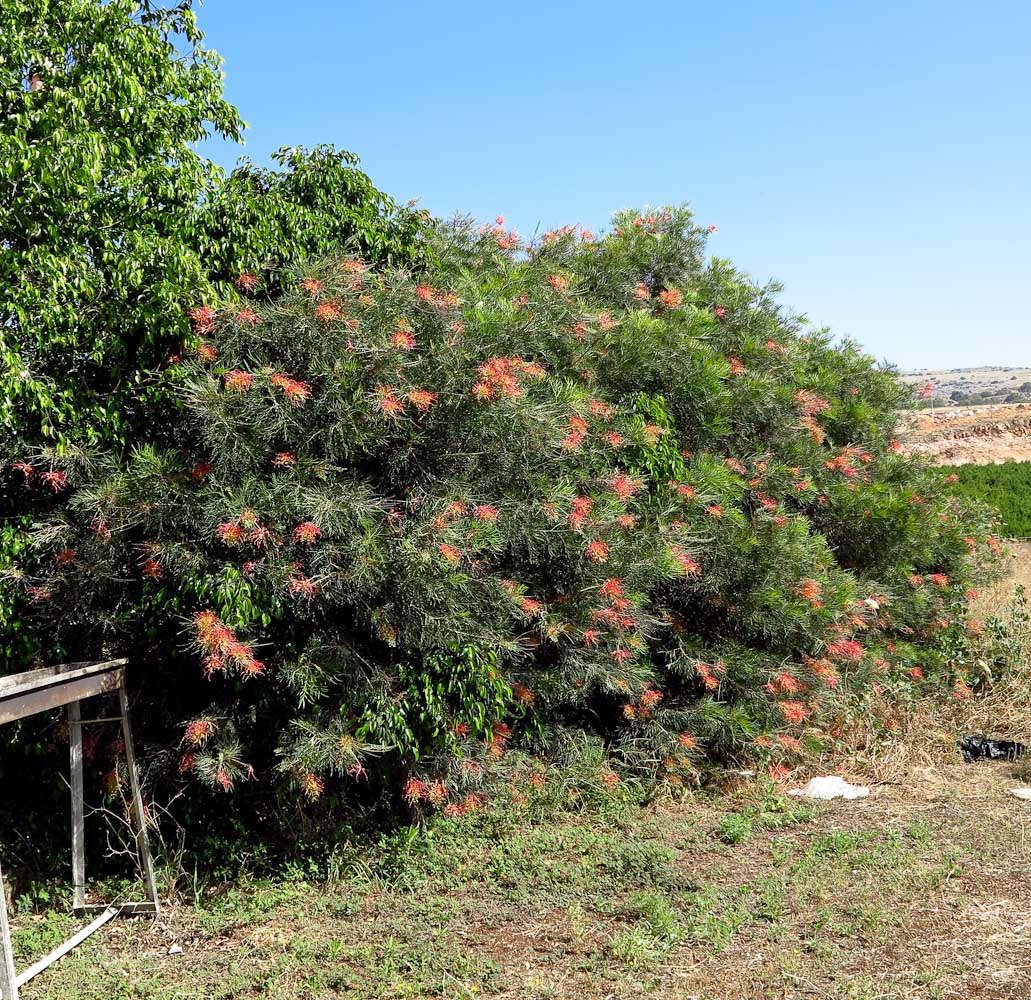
[152, 569]
[846, 649]
[312, 287]
[307, 533]
[238, 381]
[248, 316]
[591, 637]
[557, 282]
[414, 791]
[451, 554]
[57, 481]
[328, 312]
[203, 319]
[810, 590]
[207, 353]
[641, 291]
[714, 510]
[736, 368]
[247, 282]
[720, 311]
[303, 587]
[794, 712]
[282, 459]
[530, 606]
[573, 441]
[688, 566]
[198, 731]
[311, 786]
[485, 512]
[296, 392]
[421, 399]
[614, 439]
[231, 533]
[389, 403]
[611, 588]
[671, 298]
[597, 551]
[66, 557]
[523, 694]
[403, 340]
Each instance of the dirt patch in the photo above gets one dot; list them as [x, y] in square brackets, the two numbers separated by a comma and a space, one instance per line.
[978, 435]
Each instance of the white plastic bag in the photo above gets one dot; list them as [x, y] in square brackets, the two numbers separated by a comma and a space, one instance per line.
[830, 787]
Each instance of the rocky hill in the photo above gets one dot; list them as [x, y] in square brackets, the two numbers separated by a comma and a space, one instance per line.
[980, 435]
[973, 386]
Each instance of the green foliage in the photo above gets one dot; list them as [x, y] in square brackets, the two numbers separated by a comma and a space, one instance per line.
[99, 188]
[114, 227]
[409, 533]
[1007, 487]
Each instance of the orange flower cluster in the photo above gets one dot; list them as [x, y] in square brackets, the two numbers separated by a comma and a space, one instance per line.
[296, 392]
[500, 376]
[223, 650]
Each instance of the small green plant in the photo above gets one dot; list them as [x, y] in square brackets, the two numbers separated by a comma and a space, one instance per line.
[735, 828]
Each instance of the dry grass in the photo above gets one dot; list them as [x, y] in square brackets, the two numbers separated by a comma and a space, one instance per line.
[927, 737]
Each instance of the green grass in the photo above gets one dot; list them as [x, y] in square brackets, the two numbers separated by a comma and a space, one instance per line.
[667, 901]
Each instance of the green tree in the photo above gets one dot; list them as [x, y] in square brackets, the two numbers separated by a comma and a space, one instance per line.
[100, 206]
[112, 226]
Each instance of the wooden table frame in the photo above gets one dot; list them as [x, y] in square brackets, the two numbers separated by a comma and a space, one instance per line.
[67, 686]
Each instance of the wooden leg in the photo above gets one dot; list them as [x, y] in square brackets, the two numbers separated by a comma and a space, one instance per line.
[78, 810]
[8, 986]
[142, 840]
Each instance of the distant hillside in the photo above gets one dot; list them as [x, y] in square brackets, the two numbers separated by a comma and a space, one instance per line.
[973, 386]
[970, 435]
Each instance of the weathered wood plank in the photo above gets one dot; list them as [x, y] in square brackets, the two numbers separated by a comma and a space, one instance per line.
[30, 680]
[42, 699]
[78, 809]
[61, 950]
[142, 838]
[136, 909]
[8, 981]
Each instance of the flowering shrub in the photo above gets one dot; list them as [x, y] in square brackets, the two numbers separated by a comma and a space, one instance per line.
[422, 526]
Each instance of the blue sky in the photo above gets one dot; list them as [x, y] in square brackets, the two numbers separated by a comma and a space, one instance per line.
[875, 157]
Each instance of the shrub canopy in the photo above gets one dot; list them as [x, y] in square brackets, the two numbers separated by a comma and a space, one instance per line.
[411, 522]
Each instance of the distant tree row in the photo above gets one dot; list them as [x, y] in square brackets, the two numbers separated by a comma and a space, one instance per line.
[1007, 487]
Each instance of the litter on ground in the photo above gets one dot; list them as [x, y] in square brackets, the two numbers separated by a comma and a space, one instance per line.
[830, 787]
[975, 748]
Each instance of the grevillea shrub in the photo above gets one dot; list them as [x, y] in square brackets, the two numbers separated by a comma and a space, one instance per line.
[418, 530]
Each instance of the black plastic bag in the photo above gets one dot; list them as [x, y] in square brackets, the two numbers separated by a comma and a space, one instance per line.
[977, 748]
